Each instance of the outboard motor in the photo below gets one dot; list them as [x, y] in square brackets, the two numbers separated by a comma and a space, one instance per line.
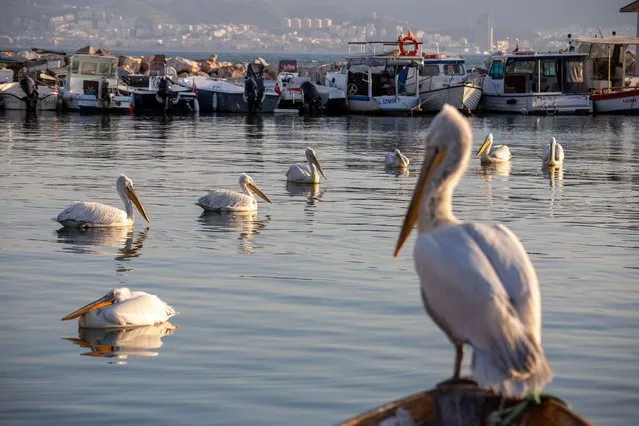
[164, 92]
[253, 88]
[312, 104]
[104, 91]
[28, 86]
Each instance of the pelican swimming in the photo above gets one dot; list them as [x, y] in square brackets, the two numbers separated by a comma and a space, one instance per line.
[477, 282]
[500, 154]
[87, 214]
[122, 307]
[306, 173]
[225, 200]
[396, 160]
[553, 155]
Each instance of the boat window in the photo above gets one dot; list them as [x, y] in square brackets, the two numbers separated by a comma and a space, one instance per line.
[520, 67]
[114, 68]
[600, 51]
[548, 68]
[105, 69]
[287, 65]
[75, 65]
[429, 70]
[89, 68]
[454, 69]
[497, 70]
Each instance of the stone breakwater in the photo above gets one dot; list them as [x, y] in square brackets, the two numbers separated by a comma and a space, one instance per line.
[209, 67]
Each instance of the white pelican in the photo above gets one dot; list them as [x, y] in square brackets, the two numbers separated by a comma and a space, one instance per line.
[396, 160]
[553, 155]
[225, 200]
[306, 173]
[87, 214]
[500, 154]
[477, 282]
[122, 307]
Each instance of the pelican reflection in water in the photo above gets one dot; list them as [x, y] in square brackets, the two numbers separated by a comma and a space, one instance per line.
[487, 171]
[121, 308]
[89, 240]
[122, 343]
[313, 192]
[219, 224]
[477, 282]
[87, 214]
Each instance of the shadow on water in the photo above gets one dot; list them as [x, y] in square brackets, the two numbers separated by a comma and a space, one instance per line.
[118, 344]
[217, 224]
[89, 241]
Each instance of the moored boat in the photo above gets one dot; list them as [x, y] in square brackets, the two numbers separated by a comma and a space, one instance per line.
[613, 91]
[536, 83]
[468, 405]
[28, 94]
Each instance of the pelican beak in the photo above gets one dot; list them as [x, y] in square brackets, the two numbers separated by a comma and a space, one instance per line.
[418, 195]
[254, 188]
[484, 146]
[100, 303]
[130, 192]
[317, 164]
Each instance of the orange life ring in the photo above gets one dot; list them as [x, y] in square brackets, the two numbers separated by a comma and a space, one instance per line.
[406, 40]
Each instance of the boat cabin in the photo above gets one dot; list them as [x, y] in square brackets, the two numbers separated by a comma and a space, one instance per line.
[537, 73]
[87, 71]
[607, 63]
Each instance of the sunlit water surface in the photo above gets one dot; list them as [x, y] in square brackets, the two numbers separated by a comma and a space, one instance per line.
[297, 314]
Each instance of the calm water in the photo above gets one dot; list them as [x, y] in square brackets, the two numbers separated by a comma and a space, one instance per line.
[298, 314]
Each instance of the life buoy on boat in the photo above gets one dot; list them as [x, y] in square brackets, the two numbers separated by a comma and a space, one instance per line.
[408, 39]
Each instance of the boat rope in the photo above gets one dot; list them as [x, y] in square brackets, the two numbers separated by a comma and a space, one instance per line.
[505, 417]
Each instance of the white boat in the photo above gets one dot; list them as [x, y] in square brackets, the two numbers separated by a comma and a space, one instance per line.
[381, 78]
[91, 84]
[28, 94]
[612, 90]
[536, 83]
[445, 80]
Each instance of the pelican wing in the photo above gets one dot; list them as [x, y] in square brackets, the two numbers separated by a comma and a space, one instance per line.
[144, 309]
[559, 154]
[390, 160]
[479, 287]
[501, 152]
[89, 214]
[545, 155]
[223, 199]
[300, 173]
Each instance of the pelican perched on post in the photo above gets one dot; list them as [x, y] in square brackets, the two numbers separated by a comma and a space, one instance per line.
[500, 154]
[396, 160]
[553, 155]
[477, 282]
[122, 307]
[306, 173]
[225, 200]
[87, 214]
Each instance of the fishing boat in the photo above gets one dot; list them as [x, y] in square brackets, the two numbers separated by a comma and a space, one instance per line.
[445, 80]
[159, 92]
[529, 82]
[28, 94]
[382, 77]
[91, 85]
[612, 90]
[468, 405]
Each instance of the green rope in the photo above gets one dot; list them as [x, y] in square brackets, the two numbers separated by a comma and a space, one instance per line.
[507, 416]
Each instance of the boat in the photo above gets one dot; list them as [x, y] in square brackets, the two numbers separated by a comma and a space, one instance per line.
[382, 78]
[28, 94]
[218, 95]
[468, 405]
[529, 82]
[91, 85]
[159, 92]
[612, 91]
[445, 80]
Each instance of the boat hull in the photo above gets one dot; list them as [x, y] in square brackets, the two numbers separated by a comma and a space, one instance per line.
[537, 103]
[464, 97]
[219, 101]
[622, 102]
[14, 98]
[390, 104]
[149, 102]
[464, 405]
[91, 104]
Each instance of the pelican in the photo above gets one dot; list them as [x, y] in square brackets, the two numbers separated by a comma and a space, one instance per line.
[500, 154]
[87, 214]
[122, 307]
[306, 173]
[396, 160]
[225, 200]
[553, 155]
[477, 282]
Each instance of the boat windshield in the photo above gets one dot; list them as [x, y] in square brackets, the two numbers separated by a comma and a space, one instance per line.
[287, 65]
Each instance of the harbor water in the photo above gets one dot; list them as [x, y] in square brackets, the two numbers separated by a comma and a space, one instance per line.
[297, 314]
